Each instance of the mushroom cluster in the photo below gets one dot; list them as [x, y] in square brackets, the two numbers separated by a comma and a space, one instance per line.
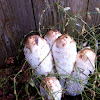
[60, 51]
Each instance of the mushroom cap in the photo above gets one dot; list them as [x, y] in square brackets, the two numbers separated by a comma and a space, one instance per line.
[64, 54]
[37, 53]
[51, 88]
[51, 36]
[85, 62]
[64, 41]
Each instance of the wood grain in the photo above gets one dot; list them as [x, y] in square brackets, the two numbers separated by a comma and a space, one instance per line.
[78, 9]
[95, 17]
[16, 20]
[50, 18]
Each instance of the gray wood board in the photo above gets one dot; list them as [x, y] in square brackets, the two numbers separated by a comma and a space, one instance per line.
[16, 20]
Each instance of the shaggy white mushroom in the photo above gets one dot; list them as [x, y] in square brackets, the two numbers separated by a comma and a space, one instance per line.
[50, 89]
[85, 63]
[37, 53]
[51, 36]
[64, 53]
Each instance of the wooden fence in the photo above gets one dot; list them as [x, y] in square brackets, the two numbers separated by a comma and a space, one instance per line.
[18, 17]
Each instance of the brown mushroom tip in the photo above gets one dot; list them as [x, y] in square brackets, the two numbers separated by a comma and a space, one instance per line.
[86, 54]
[51, 36]
[52, 32]
[63, 40]
[47, 82]
[32, 40]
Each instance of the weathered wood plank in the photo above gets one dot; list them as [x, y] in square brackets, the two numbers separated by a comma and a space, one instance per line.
[16, 20]
[95, 17]
[51, 16]
[79, 8]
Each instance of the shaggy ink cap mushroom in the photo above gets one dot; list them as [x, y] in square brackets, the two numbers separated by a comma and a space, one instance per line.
[85, 63]
[50, 88]
[64, 54]
[37, 53]
[86, 60]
